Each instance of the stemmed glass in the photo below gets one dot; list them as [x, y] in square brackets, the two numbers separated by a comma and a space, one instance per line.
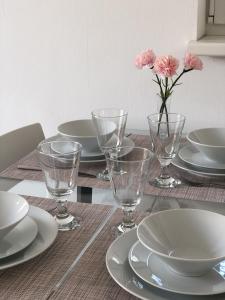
[110, 124]
[128, 184]
[165, 132]
[59, 161]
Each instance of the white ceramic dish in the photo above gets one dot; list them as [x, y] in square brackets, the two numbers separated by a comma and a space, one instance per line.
[19, 237]
[193, 156]
[91, 155]
[126, 142]
[13, 209]
[151, 269]
[190, 241]
[210, 141]
[47, 232]
[83, 131]
[177, 162]
[118, 267]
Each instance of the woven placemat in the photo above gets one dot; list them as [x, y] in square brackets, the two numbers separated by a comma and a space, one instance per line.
[185, 191]
[90, 279]
[36, 278]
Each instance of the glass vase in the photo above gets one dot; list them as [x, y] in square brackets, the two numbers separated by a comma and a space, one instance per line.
[159, 108]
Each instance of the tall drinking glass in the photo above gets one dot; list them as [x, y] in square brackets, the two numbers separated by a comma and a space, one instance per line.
[165, 132]
[59, 161]
[110, 124]
[134, 164]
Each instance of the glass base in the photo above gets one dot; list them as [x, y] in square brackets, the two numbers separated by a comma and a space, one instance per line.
[119, 229]
[103, 175]
[168, 182]
[68, 223]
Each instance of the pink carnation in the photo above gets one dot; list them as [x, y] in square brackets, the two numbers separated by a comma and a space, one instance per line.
[193, 62]
[146, 58]
[166, 66]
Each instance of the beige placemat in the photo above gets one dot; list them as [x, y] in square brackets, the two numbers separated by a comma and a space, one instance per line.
[90, 279]
[36, 278]
[184, 191]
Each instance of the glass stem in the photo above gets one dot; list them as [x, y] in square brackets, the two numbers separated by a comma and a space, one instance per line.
[62, 211]
[128, 217]
[164, 172]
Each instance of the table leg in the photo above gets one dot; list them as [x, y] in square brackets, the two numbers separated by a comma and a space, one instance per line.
[84, 194]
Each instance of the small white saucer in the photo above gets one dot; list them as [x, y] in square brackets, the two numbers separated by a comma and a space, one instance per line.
[152, 270]
[192, 156]
[19, 238]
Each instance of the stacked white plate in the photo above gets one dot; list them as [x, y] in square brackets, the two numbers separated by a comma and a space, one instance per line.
[190, 159]
[143, 274]
[88, 157]
[29, 238]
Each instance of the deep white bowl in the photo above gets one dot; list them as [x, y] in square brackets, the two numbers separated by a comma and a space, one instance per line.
[210, 141]
[13, 209]
[83, 131]
[190, 241]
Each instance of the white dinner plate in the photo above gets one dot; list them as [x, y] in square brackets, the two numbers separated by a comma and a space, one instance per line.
[192, 156]
[177, 162]
[96, 154]
[47, 232]
[127, 142]
[118, 267]
[19, 237]
[151, 269]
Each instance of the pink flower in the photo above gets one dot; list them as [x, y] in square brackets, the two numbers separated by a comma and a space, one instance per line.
[144, 59]
[193, 62]
[166, 66]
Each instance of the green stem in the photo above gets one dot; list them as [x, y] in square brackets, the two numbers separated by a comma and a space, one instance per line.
[174, 83]
[167, 121]
[164, 95]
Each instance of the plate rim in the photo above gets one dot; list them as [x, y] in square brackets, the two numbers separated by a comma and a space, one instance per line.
[128, 139]
[151, 292]
[164, 288]
[111, 274]
[18, 261]
[177, 162]
[28, 243]
[189, 148]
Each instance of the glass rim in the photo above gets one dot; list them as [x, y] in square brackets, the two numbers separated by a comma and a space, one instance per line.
[94, 113]
[132, 161]
[182, 117]
[44, 142]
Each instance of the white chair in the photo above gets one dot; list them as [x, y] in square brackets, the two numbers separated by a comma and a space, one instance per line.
[18, 143]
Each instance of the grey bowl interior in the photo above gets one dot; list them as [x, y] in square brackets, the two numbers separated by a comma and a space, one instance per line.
[78, 128]
[214, 137]
[184, 234]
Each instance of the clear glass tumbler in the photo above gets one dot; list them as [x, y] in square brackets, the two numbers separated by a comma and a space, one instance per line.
[110, 124]
[165, 132]
[129, 169]
[59, 161]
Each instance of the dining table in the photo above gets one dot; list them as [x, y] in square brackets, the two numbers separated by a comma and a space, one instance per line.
[74, 266]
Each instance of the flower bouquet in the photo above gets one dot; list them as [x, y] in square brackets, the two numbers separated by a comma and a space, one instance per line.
[165, 68]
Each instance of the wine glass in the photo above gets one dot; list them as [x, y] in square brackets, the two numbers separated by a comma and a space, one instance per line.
[110, 124]
[59, 161]
[128, 184]
[165, 132]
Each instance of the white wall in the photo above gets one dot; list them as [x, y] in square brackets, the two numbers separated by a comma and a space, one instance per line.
[59, 59]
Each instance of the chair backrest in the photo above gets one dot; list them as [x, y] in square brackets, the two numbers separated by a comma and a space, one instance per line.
[18, 143]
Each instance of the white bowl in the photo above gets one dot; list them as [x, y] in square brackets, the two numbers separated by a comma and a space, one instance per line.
[13, 209]
[190, 241]
[210, 141]
[83, 131]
